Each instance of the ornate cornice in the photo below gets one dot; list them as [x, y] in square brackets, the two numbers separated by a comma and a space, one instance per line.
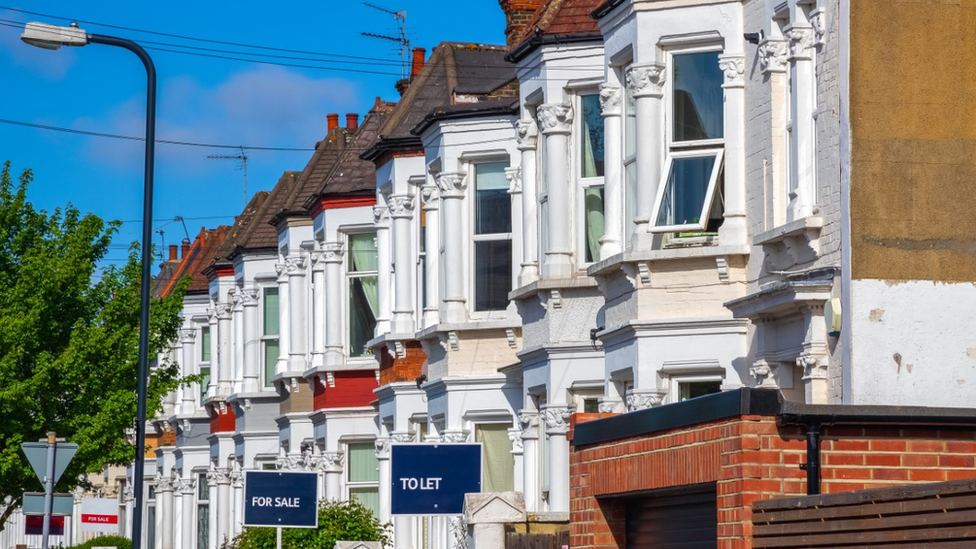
[647, 80]
[611, 99]
[555, 118]
[452, 185]
[527, 134]
[401, 206]
[734, 68]
[773, 56]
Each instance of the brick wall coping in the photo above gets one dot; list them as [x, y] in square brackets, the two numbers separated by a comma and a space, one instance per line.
[871, 495]
[763, 402]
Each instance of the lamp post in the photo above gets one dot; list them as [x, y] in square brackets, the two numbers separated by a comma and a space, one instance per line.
[52, 37]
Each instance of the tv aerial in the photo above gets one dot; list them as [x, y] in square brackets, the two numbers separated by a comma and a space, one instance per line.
[241, 159]
[401, 20]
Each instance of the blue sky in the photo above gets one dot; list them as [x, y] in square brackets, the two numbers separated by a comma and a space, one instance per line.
[200, 99]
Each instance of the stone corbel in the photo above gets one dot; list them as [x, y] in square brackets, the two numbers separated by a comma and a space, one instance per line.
[510, 335]
[187, 426]
[330, 462]
[455, 437]
[383, 448]
[452, 339]
[734, 68]
[294, 385]
[452, 185]
[644, 273]
[556, 299]
[557, 418]
[611, 99]
[401, 349]
[555, 118]
[642, 400]
[763, 372]
[247, 405]
[722, 264]
[515, 435]
[773, 56]
[610, 406]
[222, 406]
[514, 177]
[818, 21]
[647, 80]
[801, 41]
[330, 380]
[527, 134]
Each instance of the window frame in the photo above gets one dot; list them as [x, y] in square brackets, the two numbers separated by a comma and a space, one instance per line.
[351, 485]
[265, 338]
[481, 424]
[347, 278]
[583, 184]
[471, 171]
[628, 109]
[687, 149]
[205, 351]
[676, 380]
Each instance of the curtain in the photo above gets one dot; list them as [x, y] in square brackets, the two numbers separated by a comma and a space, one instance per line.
[591, 153]
[498, 463]
[363, 257]
[361, 462]
[593, 209]
[271, 316]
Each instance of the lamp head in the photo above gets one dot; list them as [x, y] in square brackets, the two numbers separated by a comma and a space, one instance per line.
[52, 37]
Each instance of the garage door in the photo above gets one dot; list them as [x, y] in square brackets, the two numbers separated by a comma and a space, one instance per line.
[673, 520]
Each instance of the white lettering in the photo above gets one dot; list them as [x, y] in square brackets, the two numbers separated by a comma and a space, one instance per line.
[429, 483]
[287, 502]
[259, 501]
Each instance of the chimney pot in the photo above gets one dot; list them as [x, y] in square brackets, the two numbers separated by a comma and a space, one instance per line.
[418, 62]
[185, 249]
[352, 121]
[172, 252]
[333, 119]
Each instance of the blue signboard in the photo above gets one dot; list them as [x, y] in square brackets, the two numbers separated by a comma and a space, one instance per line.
[279, 498]
[431, 479]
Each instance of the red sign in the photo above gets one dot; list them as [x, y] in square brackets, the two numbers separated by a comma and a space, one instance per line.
[99, 519]
[34, 525]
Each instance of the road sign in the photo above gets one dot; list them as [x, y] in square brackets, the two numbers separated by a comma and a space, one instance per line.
[34, 525]
[431, 479]
[33, 504]
[36, 453]
[281, 498]
[100, 515]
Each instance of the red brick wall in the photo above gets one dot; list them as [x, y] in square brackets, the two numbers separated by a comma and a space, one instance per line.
[352, 388]
[394, 370]
[750, 458]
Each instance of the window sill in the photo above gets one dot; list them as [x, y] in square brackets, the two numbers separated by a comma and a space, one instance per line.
[547, 284]
[505, 324]
[794, 243]
[612, 263]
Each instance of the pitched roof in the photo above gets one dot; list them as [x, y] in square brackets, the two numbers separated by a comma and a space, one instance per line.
[199, 255]
[558, 20]
[327, 153]
[455, 73]
[239, 232]
[261, 235]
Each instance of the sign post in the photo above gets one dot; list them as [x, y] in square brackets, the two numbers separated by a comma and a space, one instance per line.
[431, 479]
[281, 499]
[43, 457]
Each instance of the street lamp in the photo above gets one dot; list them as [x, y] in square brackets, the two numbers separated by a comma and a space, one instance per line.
[52, 37]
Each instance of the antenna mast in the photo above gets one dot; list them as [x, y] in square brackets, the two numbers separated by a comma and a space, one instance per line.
[242, 165]
[401, 20]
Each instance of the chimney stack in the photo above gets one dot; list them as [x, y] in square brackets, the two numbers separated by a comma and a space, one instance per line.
[418, 62]
[352, 121]
[172, 252]
[517, 15]
[333, 119]
[185, 249]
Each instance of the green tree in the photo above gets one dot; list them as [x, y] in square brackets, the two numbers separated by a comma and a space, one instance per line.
[69, 339]
[338, 521]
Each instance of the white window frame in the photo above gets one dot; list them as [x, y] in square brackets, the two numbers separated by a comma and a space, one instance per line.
[583, 184]
[474, 430]
[629, 161]
[686, 149]
[349, 484]
[266, 384]
[204, 347]
[542, 193]
[471, 171]
[347, 276]
[675, 381]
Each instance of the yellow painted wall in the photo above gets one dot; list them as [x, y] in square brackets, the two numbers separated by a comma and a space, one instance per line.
[913, 139]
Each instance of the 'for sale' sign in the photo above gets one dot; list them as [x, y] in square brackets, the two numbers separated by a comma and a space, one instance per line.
[100, 515]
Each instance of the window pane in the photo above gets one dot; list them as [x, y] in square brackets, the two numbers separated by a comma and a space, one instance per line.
[630, 201]
[543, 228]
[205, 382]
[362, 252]
[203, 527]
[493, 205]
[696, 389]
[271, 354]
[367, 495]
[361, 462]
[630, 123]
[498, 468]
[697, 99]
[593, 222]
[363, 303]
[203, 487]
[492, 274]
[591, 137]
[685, 190]
[205, 344]
[271, 318]
[151, 528]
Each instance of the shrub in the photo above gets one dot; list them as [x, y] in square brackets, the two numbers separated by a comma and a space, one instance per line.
[338, 521]
[106, 541]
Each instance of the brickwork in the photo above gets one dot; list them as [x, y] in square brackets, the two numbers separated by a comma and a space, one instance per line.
[750, 458]
[406, 368]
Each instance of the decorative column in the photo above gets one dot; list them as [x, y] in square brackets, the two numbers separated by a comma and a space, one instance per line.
[214, 523]
[529, 421]
[225, 373]
[332, 256]
[611, 101]
[214, 350]
[127, 499]
[646, 83]
[452, 188]
[515, 435]
[773, 55]
[238, 341]
[250, 340]
[431, 201]
[383, 457]
[401, 208]
[734, 230]
[803, 186]
[164, 511]
[284, 319]
[331, 463]
[556, 122]
[318, 309]
[527, 133]
[237, 485]
[557, 425]
[186, 488]
[815, 380]
[514, 177]
[295, 265]
[381, 220]
[76, 534]
[189, 367]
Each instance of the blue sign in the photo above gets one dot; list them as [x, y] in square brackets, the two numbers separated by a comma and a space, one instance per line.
[431, 479]
[279, 498]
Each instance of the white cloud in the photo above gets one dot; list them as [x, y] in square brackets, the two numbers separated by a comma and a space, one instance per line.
[50, 65]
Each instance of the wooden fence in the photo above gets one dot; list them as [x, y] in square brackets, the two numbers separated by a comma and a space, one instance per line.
[515, 540]
[939, 515]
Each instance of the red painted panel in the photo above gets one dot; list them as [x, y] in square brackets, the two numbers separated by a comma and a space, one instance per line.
[337, 202]
[353, 388]
[222, 422]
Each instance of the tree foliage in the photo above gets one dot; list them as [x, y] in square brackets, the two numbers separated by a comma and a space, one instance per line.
[338, 521]
[119, 542]
[69, 339]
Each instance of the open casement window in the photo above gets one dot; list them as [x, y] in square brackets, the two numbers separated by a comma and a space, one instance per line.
[362, 475]
[589, 137]
[204, 362]
[361, 269]
[492, 237]
[270, 326]
[498, 469]
[689, 194]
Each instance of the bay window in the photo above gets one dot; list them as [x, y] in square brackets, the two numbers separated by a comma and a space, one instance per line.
[492, 237]
[362, 475]
[270, 327]
[590, 173]
[689, 199]
[362, 270]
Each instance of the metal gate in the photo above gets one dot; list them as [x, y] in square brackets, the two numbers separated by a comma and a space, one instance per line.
[687, 519]
[557, 540]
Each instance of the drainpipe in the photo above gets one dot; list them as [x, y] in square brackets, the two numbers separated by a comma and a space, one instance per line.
[812, 465]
